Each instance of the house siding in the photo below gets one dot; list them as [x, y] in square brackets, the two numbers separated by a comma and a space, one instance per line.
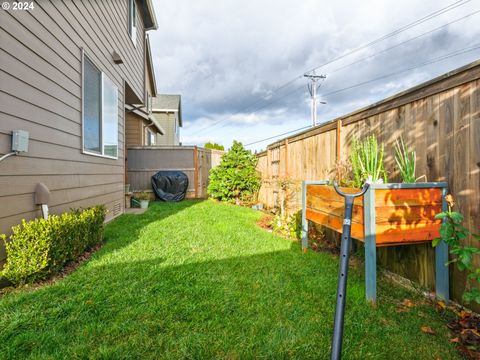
[41, 92]
[167, 121]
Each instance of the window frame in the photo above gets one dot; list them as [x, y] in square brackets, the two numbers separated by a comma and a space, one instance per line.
[132, 21]
[149, 134]
[102, 75]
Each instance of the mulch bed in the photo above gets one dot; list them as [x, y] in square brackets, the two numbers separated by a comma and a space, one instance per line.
[465, 328]
[265, 222]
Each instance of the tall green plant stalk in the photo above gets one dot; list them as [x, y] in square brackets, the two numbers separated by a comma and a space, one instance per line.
[454, 234]
[367, 161]
[405, 159]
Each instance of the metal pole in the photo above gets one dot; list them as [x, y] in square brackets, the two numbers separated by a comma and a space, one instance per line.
[312, 88]
[343, 273]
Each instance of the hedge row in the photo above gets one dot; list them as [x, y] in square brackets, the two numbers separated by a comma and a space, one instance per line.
[41, 247]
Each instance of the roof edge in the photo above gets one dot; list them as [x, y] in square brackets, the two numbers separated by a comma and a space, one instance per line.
[149, 17]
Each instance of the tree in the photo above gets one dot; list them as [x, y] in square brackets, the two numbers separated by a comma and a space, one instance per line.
[214, 146]
[236, 178]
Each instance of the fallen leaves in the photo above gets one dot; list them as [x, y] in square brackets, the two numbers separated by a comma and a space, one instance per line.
[466, 333]
[405, 306]
[427, 330]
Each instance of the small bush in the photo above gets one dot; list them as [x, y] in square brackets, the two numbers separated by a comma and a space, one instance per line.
[236, 177]
[39, 248]
[288, 226]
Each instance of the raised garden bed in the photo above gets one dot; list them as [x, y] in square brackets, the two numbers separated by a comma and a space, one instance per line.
[387, 215]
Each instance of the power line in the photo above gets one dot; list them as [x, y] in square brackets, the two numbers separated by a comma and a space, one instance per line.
[444, 57]
[384, 37]
[404, 42]
[273, 137]
[396, 32]
[296, 90]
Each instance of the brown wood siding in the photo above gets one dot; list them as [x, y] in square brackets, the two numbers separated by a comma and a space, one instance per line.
[133, 130]
[439, 119]
[41, 92]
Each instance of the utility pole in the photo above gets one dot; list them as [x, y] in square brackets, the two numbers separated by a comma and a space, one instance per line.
[312, 88]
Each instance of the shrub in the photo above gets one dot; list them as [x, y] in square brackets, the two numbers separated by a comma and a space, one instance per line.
[41, 247]
[214, 146]
[236, 177]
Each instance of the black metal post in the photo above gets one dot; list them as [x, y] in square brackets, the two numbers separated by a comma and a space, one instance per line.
[342, 275]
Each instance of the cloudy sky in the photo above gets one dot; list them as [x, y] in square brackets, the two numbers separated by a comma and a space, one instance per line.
[239, 64]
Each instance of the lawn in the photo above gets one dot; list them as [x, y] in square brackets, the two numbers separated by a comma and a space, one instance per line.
[197, 280]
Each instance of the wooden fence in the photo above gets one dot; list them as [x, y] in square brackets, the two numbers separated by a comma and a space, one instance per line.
[440, 119]
[195, 162]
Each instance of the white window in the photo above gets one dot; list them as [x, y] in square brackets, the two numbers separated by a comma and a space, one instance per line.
[132, 20]
[100, 112]
[150, 137]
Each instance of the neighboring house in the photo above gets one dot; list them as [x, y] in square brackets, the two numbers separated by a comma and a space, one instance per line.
[167, 109]
[70, 70]
[141, 128]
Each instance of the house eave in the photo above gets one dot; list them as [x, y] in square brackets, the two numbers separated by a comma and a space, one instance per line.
[148, 12]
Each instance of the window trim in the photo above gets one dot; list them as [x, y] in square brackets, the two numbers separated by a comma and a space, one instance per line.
[102, 74]
[148, 134]
[132, 21]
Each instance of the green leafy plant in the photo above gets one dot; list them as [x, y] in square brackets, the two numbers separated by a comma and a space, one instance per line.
[452, 232]
[213, 146]
[405, 159]
[341, 173]
[41, 247]
[236, 177]
[143, 196]
[288, 226]
[366, 158]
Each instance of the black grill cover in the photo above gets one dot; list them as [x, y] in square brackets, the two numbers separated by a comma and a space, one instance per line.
[170, 185]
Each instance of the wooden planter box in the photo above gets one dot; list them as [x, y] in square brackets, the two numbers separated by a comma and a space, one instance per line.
[396, 214]
[387, 215]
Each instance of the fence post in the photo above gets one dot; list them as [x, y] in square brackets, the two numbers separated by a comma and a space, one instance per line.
[195, 172]
[370, 246]
[339, 140]
[286, 158]
[441, 258]
[304, 217]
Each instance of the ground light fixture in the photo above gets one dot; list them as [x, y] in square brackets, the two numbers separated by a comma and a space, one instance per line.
[343, 272]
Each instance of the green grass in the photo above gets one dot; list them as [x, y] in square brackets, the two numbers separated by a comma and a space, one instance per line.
[197, 280]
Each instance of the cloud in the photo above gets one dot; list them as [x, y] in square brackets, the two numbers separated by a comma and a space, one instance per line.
[227, 58]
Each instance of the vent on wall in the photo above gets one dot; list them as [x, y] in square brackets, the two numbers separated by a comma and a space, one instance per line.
[117, 209]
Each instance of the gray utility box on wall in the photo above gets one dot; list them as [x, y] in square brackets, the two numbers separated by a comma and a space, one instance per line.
[20, 141]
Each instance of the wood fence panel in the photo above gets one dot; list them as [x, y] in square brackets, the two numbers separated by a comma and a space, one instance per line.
[440, 120]
[195, 162]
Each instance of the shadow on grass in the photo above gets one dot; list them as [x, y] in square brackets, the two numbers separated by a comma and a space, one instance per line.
[271, 305]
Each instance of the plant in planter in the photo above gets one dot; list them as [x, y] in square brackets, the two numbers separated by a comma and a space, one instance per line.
[367, 162]
[144, 198]
[405, 159]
